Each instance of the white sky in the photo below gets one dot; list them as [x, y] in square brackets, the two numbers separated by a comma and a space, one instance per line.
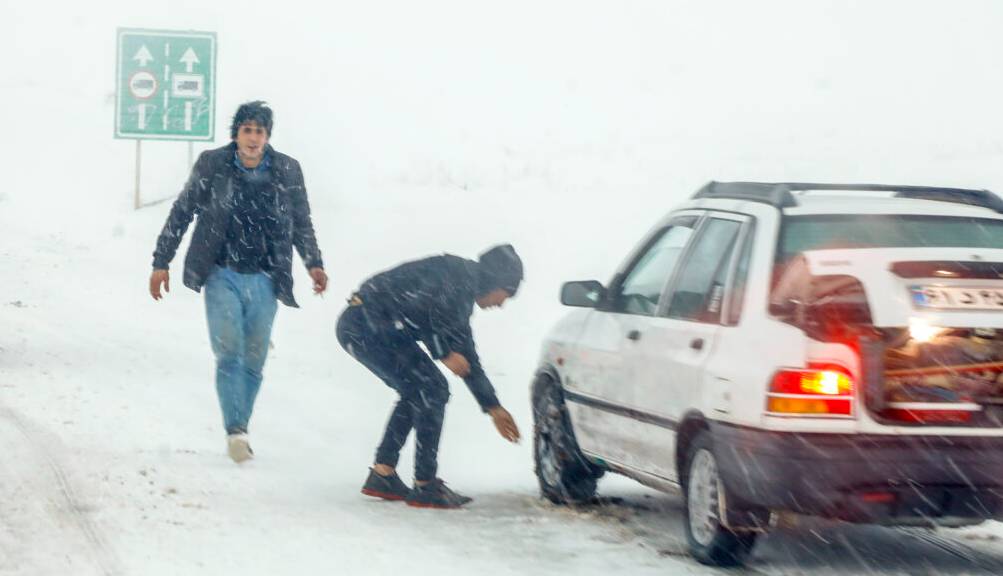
[591, 110]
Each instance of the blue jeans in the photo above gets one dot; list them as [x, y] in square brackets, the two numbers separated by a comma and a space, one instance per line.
[239, 309]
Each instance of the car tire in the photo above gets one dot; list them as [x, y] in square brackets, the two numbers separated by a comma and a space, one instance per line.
[709, 541]
[565, 475]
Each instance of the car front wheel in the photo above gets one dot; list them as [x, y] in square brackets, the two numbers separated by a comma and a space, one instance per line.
[564, 474]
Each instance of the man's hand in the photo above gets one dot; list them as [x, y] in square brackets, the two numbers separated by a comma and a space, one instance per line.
[319, 280]
[157, 278]
[457, 364]
[505, 424]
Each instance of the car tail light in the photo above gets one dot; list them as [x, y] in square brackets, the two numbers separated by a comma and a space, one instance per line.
[813, 392]
[878, 497]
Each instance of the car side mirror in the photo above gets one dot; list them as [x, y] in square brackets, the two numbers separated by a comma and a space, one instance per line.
[583, 293]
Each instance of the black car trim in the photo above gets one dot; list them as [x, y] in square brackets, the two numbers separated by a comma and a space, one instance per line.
[632, 413]
[778, 194]
[820, 441]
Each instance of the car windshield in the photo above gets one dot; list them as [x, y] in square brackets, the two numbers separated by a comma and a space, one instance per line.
[819, 232]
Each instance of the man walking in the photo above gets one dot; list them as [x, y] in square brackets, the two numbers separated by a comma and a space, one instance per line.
[252, 209]
[430, 301]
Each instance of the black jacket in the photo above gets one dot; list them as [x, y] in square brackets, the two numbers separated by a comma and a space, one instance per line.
[209, 196]
[432, 300]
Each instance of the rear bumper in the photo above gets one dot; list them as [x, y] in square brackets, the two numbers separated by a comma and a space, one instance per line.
[863, 478]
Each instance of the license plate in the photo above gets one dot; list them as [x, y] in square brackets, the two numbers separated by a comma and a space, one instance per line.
[957, 297]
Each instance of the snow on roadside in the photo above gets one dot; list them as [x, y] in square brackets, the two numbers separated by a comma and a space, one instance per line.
[115, 392]
[114, 458]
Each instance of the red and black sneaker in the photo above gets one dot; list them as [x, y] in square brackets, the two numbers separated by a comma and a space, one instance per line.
[435, 494]
[386, 487]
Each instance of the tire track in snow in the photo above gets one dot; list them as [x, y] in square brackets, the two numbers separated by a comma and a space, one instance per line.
[99, 549]
[656, 523]
[956, 548]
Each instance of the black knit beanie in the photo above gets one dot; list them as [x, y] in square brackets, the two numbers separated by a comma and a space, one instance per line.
[500, 267]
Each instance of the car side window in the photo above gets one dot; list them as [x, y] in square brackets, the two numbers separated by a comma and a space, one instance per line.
[699, 291]
[642, 288]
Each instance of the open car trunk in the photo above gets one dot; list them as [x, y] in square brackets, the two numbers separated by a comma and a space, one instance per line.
[955, 378]
[927, 323]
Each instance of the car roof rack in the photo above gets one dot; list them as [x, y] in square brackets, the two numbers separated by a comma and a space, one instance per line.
[780, 194]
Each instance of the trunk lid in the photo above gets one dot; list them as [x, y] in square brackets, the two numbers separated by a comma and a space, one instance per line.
[927, 323]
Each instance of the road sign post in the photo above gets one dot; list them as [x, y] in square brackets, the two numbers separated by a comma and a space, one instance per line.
[166, 87]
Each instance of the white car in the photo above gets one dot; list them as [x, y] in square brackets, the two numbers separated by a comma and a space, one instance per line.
[824, 349]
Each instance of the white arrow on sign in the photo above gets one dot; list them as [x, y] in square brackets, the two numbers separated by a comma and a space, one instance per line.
[143, 55]
[189, 58]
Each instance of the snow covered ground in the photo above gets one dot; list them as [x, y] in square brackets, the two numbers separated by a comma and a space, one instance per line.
[114, 463]
[564, 127]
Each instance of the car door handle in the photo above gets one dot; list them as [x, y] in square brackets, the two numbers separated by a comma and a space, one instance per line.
[634, 335]
[696, 343]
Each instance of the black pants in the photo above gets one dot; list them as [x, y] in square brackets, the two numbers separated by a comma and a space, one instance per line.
[397, 359]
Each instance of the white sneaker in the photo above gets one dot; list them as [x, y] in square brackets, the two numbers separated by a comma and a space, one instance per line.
[239, 448]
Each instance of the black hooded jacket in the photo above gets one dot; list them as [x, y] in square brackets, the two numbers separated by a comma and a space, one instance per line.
[208, 195]
[432, 300]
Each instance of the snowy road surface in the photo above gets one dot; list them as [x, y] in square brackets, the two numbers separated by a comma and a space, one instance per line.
[186, 512]
[113, 459]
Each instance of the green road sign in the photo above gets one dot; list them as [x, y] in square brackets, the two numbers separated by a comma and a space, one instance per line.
[166, 86]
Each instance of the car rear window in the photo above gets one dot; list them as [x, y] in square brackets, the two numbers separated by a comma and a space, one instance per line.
[819, 232]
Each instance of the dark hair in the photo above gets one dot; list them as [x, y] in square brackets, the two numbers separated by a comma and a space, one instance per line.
[257, 112]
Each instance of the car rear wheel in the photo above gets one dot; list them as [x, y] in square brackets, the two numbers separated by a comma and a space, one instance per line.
[565, 476]
[705, 498]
